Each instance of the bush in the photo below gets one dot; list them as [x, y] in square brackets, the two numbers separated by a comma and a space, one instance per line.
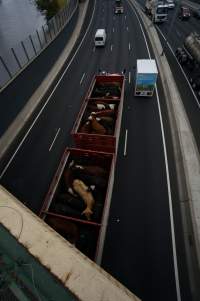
[51, 7]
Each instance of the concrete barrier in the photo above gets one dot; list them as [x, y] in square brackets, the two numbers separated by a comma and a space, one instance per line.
[58, 268]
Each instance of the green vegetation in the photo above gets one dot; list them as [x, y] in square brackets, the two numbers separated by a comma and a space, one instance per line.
[51, 7]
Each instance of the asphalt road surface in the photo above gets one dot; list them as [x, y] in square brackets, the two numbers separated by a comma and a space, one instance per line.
[180, 30]
[138, 249]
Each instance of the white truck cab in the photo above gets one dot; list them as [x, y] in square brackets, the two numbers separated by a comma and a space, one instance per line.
[100, 37]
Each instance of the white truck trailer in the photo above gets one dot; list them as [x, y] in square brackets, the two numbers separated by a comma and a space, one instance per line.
[146, 77]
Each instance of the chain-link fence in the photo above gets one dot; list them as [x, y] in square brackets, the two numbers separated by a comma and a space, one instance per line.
[25, 51]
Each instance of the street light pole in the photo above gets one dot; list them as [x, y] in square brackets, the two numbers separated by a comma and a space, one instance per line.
[171, 25]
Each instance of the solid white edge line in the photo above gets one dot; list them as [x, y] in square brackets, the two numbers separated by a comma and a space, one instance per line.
[129, 46]
[40, 112]
[170, 203]
[129, 77]
[58, 131]
[125, 143]
[197, 101]
[111, 47]
[168, 181]
[82, 78]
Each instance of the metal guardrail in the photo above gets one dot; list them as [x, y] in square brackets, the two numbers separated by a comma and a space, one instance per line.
[27, 50]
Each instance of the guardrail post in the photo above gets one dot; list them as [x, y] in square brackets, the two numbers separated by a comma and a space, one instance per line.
[53, 26]
[5, 66]
[63, 16]
[49, 30]
[56, 23]
[32, 44]
[68, 7]
[44, 34]
[39, 39]
[26, 53]
[16, 58]
[59, 21]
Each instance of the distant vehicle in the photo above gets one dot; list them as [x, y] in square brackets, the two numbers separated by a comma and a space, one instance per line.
[119, 9]
[195, 82]
[100, 37]
[170, 3]
[189, 56]
[196, 13]
[184, 13]
[157, 11]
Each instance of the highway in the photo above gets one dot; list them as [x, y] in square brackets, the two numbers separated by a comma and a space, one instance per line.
[175, 38]
[144, 245]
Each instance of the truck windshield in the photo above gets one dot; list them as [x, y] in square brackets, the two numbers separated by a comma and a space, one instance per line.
[98, 39]
[161, 10]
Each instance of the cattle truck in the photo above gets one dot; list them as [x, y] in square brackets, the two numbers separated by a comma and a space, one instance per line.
[156, 10]
[78, 200]
[63, 208]
[98, 123]
[189, 53]
[189, 57]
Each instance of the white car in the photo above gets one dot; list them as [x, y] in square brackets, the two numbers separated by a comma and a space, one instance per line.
[170, 3]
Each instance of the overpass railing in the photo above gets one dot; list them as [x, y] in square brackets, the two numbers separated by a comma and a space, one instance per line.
[18, 57]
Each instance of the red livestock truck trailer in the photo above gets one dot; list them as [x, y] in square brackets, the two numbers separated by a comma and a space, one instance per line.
[98, 123]
[78, 201]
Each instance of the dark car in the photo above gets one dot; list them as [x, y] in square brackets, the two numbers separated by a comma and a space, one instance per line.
[195, 82]
[184, 13]
[196, 13]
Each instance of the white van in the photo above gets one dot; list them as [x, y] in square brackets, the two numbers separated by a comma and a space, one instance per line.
[100, 37]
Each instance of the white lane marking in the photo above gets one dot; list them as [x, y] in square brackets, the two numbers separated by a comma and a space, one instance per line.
[168, 178]
[58, 131]
[141, 29]
[111, 47]
[82, 78]
[125, 16]
[129, 46]
[94, 49]
[197, 101]
[125, 143]
[47, 101]
[129, 77]
[113, 29]
[170, 205]
[127, 28]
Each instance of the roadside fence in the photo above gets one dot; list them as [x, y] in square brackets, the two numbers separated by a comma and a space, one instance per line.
[25, 51]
